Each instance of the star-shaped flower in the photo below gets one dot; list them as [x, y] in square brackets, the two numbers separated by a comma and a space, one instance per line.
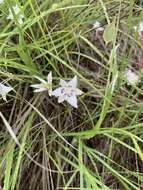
[4, 90]
[68, 92]
[45, 85]
[131, 77]
[17, 12]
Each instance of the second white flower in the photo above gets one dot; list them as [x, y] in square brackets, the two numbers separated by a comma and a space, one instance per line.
[68, 92]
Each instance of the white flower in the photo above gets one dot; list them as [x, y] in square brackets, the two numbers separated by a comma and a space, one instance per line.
[16, 11]
[45, 85]
[68, 92]
[97, 26]
[139, 29]
[114, 82]
[131, 77]
[1, 1]
[4, 90]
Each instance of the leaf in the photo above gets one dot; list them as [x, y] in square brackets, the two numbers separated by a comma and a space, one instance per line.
[9, 163]
[109, 34]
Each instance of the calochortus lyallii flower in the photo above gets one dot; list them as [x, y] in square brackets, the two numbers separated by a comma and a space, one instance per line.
[44, 85]
[139, 29]
[4, 90]
[131, 77]
[68, 91]
[16, 10]
[97, 26]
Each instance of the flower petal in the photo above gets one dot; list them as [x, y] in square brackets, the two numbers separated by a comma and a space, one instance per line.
[40, 90]
[72, 101]
[4, 90]
[78, 92]
[57, 92]
[49, 78]
[73, 82]
[61, 99]
[63, 83]
[40, 79]
[4, 97]
[16, 9]
[20, 20]
[50, 92]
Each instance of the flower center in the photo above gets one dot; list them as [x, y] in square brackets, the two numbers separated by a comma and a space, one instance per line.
[68, 91]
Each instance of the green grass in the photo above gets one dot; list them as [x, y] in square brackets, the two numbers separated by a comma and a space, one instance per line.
[51, 146]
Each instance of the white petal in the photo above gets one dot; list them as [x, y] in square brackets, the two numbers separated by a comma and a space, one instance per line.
[57, 92]
[61, 99]
[4, 97]
[40, 79]
[4, 90]
[8, 89]
[73, 82]
[20, 20]
[72, 101]
[16, 9]
[50, 92]
[78, 92]
[49, 78]
[21, 16]
[40, 90]
[63, 83]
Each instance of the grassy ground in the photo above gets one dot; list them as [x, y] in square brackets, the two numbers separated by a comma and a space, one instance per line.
[51, 146]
